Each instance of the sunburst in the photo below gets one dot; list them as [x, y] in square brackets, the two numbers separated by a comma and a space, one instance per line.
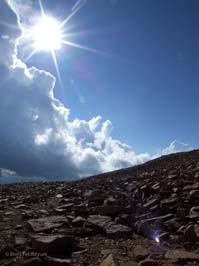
[48, 35]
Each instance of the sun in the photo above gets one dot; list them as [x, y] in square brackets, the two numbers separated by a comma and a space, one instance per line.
[50, 34]
[47, 35]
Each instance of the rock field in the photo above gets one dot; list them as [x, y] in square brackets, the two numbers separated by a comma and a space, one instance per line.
[147, 215]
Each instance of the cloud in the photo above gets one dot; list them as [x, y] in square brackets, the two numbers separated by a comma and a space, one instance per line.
[37, 137]
[176, 146]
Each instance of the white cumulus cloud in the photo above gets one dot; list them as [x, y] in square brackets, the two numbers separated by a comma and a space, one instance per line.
[176, 146]
[36, 136]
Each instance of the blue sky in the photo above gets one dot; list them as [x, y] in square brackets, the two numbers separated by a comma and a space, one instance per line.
[116, 108]
[148, 86]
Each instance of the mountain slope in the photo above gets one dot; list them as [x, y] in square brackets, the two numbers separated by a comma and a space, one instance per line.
[143, 215]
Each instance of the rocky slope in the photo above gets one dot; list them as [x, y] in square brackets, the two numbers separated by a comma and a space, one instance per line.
[145, 215]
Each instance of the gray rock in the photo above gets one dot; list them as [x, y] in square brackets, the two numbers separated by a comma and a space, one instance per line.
[78, 221]
[117, 230]
[194, 212]
[111, 201]
[140, 252]
[49, 261]
[99, 220]
[53, 244]
[181, 255]
[109, 261]
[47, 223]
[150, 203]
[149, 262]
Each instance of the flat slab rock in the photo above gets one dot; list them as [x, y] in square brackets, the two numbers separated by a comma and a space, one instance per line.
[57, 244]
[99, 220]
[181, 255]
[47, 223]
[117, 230]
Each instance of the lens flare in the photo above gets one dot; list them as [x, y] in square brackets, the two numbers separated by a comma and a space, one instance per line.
[157, 240]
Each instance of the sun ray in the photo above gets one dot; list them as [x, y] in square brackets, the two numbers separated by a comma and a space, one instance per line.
[30, 55]
[75, 9]
[77, 4]
[85, 48]
[41, 8]
[77, 33]
[57, 68]
[48, 35]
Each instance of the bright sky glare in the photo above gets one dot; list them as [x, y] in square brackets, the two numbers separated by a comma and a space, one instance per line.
[47, 34]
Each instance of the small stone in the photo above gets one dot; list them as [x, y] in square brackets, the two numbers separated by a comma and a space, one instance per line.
[67, 206]
[59, 196]
[20, 241]
[168, 202]
[21, 206]
[18, 227]
[193, 194]
[2, 201]
[148, 262]
[110, 201]
[9, 213]
[150, 203]
[109, 261]
[43, 212]
[49, 261]
[78, 221]
[28, 214]
[140, 252]
[194, 212]
[106, 251]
